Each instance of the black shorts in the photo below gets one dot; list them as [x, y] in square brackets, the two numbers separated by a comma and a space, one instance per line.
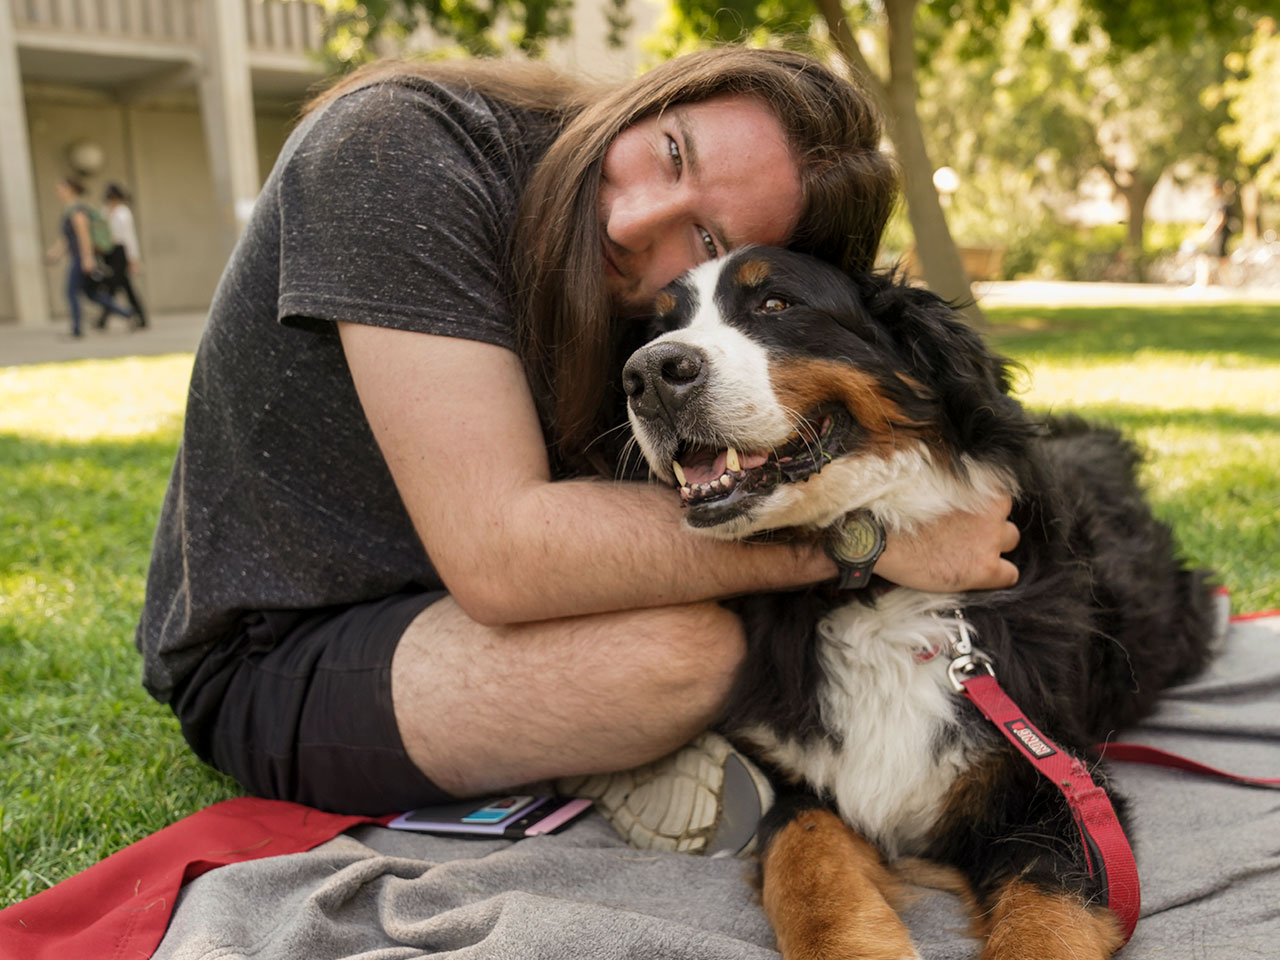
[297, 706]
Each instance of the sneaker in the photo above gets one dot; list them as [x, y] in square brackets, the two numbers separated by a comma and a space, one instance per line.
[706, 798]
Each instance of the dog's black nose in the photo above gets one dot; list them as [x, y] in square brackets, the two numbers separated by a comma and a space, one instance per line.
[663, 377]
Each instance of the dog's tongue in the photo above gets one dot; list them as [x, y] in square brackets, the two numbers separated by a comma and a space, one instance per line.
[705, 464]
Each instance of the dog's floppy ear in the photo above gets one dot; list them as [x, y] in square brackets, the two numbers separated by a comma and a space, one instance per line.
[945, 355]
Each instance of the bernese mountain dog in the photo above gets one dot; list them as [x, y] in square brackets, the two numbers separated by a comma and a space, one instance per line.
[779, 394]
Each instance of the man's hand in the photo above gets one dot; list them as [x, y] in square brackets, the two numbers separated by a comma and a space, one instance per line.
[959, 551]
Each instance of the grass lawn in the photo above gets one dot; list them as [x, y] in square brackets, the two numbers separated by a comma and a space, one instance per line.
[89, 763]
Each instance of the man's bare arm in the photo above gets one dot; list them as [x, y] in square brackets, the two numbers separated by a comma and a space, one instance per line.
[457, 425]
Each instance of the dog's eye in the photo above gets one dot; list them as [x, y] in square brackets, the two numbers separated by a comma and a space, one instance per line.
[773, 305]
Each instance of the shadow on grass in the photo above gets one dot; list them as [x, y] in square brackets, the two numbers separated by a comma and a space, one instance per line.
[1131, 418]
[1248, 330]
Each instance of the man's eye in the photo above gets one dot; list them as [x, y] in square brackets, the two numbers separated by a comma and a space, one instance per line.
[773, 305]
[673, 151]
[709, 242]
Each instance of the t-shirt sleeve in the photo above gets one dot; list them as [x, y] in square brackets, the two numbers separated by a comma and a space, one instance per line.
[395, 210]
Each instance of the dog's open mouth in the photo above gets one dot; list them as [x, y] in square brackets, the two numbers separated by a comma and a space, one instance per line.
[721, 476]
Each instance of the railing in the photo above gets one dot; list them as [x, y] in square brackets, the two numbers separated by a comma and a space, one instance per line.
[273, 26]
[168, 21]
[283, 26]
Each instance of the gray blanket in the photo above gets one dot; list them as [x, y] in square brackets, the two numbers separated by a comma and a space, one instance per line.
[1208, 852]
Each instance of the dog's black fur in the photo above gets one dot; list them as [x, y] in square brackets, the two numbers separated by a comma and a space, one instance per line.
[1104, 616]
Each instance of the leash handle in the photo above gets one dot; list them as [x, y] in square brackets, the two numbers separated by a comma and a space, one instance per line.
[1154, 756]
[1107, 851]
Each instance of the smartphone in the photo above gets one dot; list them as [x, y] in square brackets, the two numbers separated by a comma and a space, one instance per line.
[512, 816]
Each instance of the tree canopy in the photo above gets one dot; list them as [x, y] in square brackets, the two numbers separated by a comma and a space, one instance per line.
[1022, 96]
[353, 29]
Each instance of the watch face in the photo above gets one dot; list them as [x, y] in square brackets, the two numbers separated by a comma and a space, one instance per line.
[859, 539]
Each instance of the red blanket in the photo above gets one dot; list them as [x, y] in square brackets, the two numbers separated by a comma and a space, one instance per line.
[119, 908]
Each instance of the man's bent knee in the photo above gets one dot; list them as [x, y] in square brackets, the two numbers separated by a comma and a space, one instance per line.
[690, 649]
[558, 697]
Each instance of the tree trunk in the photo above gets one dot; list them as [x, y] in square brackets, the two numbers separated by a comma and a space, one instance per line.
[1136, 193]
[936, 250]
[939, 258]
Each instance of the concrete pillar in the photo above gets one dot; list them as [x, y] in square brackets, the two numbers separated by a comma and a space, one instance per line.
[17, 187]
[226, 107]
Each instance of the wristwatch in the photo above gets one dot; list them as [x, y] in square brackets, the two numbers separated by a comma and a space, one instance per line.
[855, 544]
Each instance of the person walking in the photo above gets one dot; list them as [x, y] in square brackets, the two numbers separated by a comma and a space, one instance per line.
[1214, 264]
[85, 237]
[123, 259]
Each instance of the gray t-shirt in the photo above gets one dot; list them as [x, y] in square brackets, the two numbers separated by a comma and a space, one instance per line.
[391, 206]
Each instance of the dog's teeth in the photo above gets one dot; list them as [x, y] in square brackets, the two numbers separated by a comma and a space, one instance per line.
[731, 460]
[726, 481]
[678, 471]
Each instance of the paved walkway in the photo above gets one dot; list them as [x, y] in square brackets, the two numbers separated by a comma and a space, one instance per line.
[180, 332]
[1066, 294]
[167, 333]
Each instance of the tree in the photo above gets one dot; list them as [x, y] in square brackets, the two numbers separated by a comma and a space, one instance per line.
[1046, 97]
[1253, 107]
[355, 31]
[999, 104]
[1052, 97]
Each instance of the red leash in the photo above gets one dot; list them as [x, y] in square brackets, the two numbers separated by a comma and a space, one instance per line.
[1154, 756]
[1107, 852]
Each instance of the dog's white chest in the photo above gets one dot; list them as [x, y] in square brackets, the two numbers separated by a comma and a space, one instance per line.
[891, 767]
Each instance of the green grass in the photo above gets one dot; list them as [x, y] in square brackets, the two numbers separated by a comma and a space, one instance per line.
[89, 763]
[1199, 389]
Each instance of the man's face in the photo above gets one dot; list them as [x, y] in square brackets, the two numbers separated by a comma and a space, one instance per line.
[690, 185]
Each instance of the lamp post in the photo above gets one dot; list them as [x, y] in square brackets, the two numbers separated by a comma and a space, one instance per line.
[946, 181]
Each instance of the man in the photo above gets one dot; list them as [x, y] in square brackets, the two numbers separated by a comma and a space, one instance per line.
[382, 576]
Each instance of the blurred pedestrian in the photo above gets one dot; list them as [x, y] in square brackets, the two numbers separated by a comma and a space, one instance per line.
[123, 259]
[85, 237]
[1213, 264]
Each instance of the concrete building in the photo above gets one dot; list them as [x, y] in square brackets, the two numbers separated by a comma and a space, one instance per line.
[187, 102]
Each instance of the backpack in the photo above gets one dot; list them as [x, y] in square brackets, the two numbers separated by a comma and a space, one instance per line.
[99, 229]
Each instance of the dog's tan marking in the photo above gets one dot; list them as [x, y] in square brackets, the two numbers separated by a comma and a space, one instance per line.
[827, 893]
[916, 386]
[1027, 922]
[969, 798]
[935, 876]
[803, 385]
[752, 273]
[664, 303]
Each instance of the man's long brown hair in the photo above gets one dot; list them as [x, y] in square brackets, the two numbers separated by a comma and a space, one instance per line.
[565, 330]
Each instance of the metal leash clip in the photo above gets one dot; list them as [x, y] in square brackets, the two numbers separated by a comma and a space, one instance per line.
[965, 657]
